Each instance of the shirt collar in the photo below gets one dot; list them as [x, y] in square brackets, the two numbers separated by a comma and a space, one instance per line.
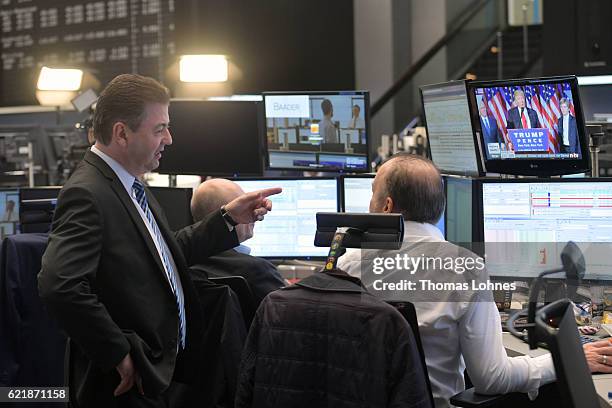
[243, 249]
[126, 178]
[422, 230]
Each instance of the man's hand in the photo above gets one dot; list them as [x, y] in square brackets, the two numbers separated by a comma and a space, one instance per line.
[129, 376]
[251, 207]
[599, 356]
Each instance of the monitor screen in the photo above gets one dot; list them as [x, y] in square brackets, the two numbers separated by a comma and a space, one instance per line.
[595, 92]
[9, 209]
[176, 203]
[357, 192]
[213, 138]
[36, 208]
[530, 126]
[288, 231]
[449, 128]
[317, 130]
[542, 213]
[459, 209]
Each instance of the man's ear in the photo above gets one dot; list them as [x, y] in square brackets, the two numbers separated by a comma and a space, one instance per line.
[120, 134]
[388, 207]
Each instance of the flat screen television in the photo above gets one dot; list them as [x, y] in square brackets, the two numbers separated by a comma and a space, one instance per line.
[214, 137]
[530, 126]
[321, 131]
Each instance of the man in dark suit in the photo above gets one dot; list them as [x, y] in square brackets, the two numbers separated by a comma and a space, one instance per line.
[489, 127]
[114, 275]
[522, 117]
[567, 136]
[262, 276]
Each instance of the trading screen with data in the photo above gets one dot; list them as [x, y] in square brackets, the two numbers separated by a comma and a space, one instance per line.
[288, 231]
[538, 218]
[357, 192]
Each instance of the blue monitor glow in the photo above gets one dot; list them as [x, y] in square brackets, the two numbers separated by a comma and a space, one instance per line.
[357, 192]
[288, 231]
[317, 130]
[9, 211]
[543, 212]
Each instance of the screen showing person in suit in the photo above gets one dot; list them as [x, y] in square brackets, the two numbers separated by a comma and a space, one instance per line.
[531, 121]
[493, 141]
[317, 130]
[567, 131]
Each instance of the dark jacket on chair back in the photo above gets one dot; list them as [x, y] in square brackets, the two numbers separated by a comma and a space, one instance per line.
[327, 342]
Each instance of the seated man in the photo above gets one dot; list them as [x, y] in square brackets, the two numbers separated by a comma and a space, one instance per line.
[261, 275]
[455, 335]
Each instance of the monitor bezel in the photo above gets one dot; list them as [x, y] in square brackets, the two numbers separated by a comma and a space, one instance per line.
[341, 196]
[215, 173]
[480, 215]
[531, 167]
[283, 178]
[366, 117]
[479, 162]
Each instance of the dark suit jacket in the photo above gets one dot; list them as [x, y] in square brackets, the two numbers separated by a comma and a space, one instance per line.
[572, 135]
[103, 280]
[514, 119]
[262, 276]
[492, 135]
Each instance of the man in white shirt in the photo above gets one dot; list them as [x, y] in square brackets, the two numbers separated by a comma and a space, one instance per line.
[356, 122]
[455, 335]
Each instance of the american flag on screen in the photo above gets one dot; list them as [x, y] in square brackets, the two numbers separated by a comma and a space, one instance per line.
[499, 100]
[544, 99]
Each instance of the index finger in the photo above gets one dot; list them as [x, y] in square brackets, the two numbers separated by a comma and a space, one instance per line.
[266, 192]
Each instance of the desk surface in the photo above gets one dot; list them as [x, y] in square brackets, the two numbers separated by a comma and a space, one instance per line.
[516, 347]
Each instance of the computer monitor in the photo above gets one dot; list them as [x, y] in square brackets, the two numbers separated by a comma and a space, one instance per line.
[176, 203]
[356, 192]
[459, 210]
[530, 126]
[214, 138]
[288, 231]
[9, 210]
[36, 208]
[330, 130]
[449, 128]
[526, 223]
[596, 97]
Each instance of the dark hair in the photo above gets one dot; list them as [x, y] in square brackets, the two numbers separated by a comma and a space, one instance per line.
[124, 100]
[416, 188]
[326, 106]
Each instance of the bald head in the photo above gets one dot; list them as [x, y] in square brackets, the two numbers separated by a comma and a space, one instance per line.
[211, 195]
[410, 185]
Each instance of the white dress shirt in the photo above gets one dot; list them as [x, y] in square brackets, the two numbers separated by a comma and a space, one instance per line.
[526, 113]
[460, 334]
[566, 130]
[356, 122]
[128, 181]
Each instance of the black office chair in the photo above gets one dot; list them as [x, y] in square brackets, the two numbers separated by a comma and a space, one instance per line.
[241, 287]
[408, 311]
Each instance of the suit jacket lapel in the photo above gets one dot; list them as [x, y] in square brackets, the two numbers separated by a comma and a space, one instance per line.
[127, 202]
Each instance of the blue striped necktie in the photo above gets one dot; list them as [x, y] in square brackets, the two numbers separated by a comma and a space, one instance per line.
[171, 274]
